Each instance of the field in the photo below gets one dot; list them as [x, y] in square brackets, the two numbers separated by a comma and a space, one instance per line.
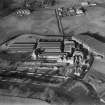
[43, 22]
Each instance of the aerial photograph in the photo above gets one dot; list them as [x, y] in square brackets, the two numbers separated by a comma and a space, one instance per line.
[52, 52]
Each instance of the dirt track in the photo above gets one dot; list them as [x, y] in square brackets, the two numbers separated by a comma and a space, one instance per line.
[5, 100]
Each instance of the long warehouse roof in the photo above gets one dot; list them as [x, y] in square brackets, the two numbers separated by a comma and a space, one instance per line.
[93, 44]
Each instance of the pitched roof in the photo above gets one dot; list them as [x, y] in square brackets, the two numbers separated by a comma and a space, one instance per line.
[91, 43]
